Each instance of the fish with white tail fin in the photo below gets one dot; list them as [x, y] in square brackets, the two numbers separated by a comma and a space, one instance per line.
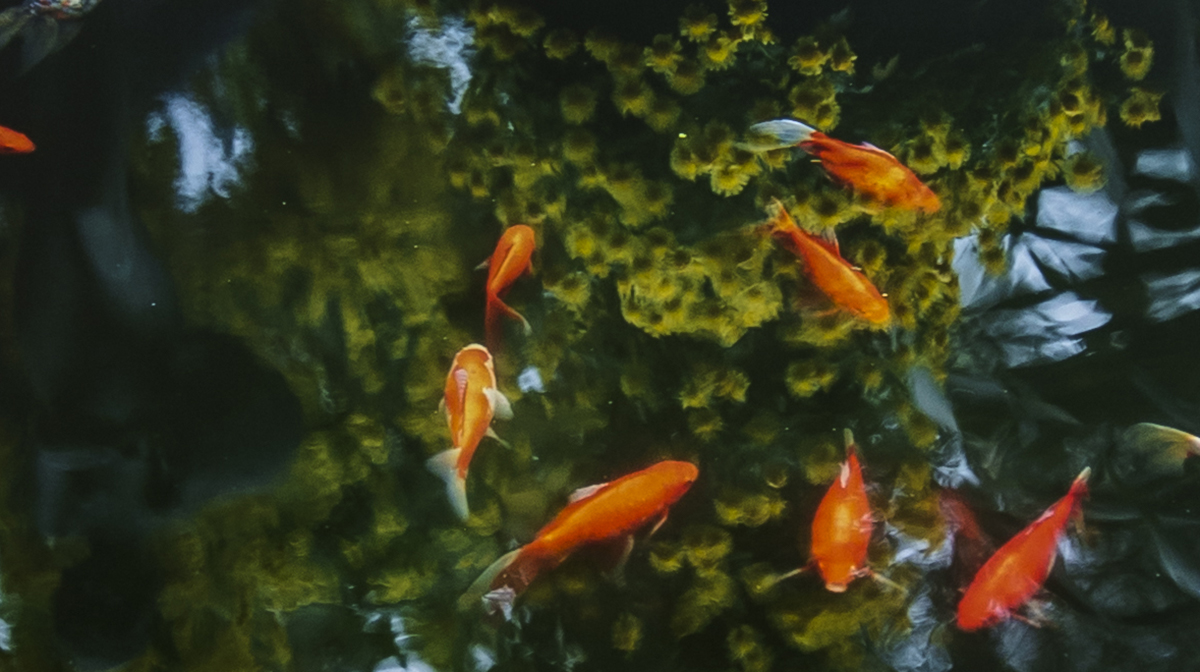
[471, 402]
[864, 168]
[610, 512]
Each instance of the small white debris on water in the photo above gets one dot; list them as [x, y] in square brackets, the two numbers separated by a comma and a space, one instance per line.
[448, 48]
[530, 380]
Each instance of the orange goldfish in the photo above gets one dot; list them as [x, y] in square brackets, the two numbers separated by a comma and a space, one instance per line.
[471, 402]
[845, 285]
[609, 512]
[841, 529]
[510, 261]
[865, 168]
[1015, 572]
[12, 142]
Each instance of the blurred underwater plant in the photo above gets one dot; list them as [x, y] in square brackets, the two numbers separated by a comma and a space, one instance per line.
[394, 140]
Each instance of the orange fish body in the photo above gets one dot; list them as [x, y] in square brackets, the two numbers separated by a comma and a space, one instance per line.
[608, 512]
[509, 261]
[12, 142]
[1015, 572]
[845, 285]
[471, 401]
[841, 528]
[865, 168]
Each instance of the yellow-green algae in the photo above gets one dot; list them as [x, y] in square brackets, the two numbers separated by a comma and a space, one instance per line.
[665, 324]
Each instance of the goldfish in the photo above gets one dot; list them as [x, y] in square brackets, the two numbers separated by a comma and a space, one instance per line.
[1015, 572]
[864, 168]
[1147, 451]
[972, 547]
[845, 285]
[12, 142]
[471, 402]
[608, 512]
[509, 261]
[842, 526]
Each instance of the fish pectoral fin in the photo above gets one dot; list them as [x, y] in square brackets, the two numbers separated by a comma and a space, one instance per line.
[496, 437]
[880, 578]
[828, 240]
[1034, 620]
[661, 520]
[484, 264]
[585, 492]
[613, 555]
[795, 572]
[501, 407]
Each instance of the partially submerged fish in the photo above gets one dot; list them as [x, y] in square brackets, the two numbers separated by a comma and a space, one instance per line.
[509, 261]
[1146, 451]
[1015, 572]
[13, 142]
[471, 402]
[842, 526]
[45, 25]
[845, 285]
[865, 168]
[609, 512]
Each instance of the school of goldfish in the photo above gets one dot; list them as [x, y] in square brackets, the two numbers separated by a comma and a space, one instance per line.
[609, 514]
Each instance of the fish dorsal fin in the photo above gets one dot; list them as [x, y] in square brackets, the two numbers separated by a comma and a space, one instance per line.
[461, 377]
[828, 240]
[613, 555]
[501, 408]
[844, 476]
[585, 492]
[877, 149]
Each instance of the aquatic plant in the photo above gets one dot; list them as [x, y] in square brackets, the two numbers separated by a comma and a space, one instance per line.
[664, 323]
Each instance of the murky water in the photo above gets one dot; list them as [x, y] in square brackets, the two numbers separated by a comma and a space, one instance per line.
[240, 271]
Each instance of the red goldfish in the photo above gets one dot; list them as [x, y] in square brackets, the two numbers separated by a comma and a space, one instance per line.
[841, 529]
[1015, 572]
[600, 513]
[845, 285]
[471, 402]
[865, 168]
[510, 261]
[12, 142]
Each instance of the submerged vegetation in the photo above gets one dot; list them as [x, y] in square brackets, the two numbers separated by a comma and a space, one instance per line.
[665, 324]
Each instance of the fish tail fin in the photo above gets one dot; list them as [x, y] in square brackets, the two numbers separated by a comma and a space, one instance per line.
[491, 320]
[778, 218]
[1079, 487]
[776, 134]
[1078, 491]
[500, 584]
[848, 438]
[445, 466]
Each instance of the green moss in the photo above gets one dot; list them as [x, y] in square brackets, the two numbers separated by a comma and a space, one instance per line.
[665, 324]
